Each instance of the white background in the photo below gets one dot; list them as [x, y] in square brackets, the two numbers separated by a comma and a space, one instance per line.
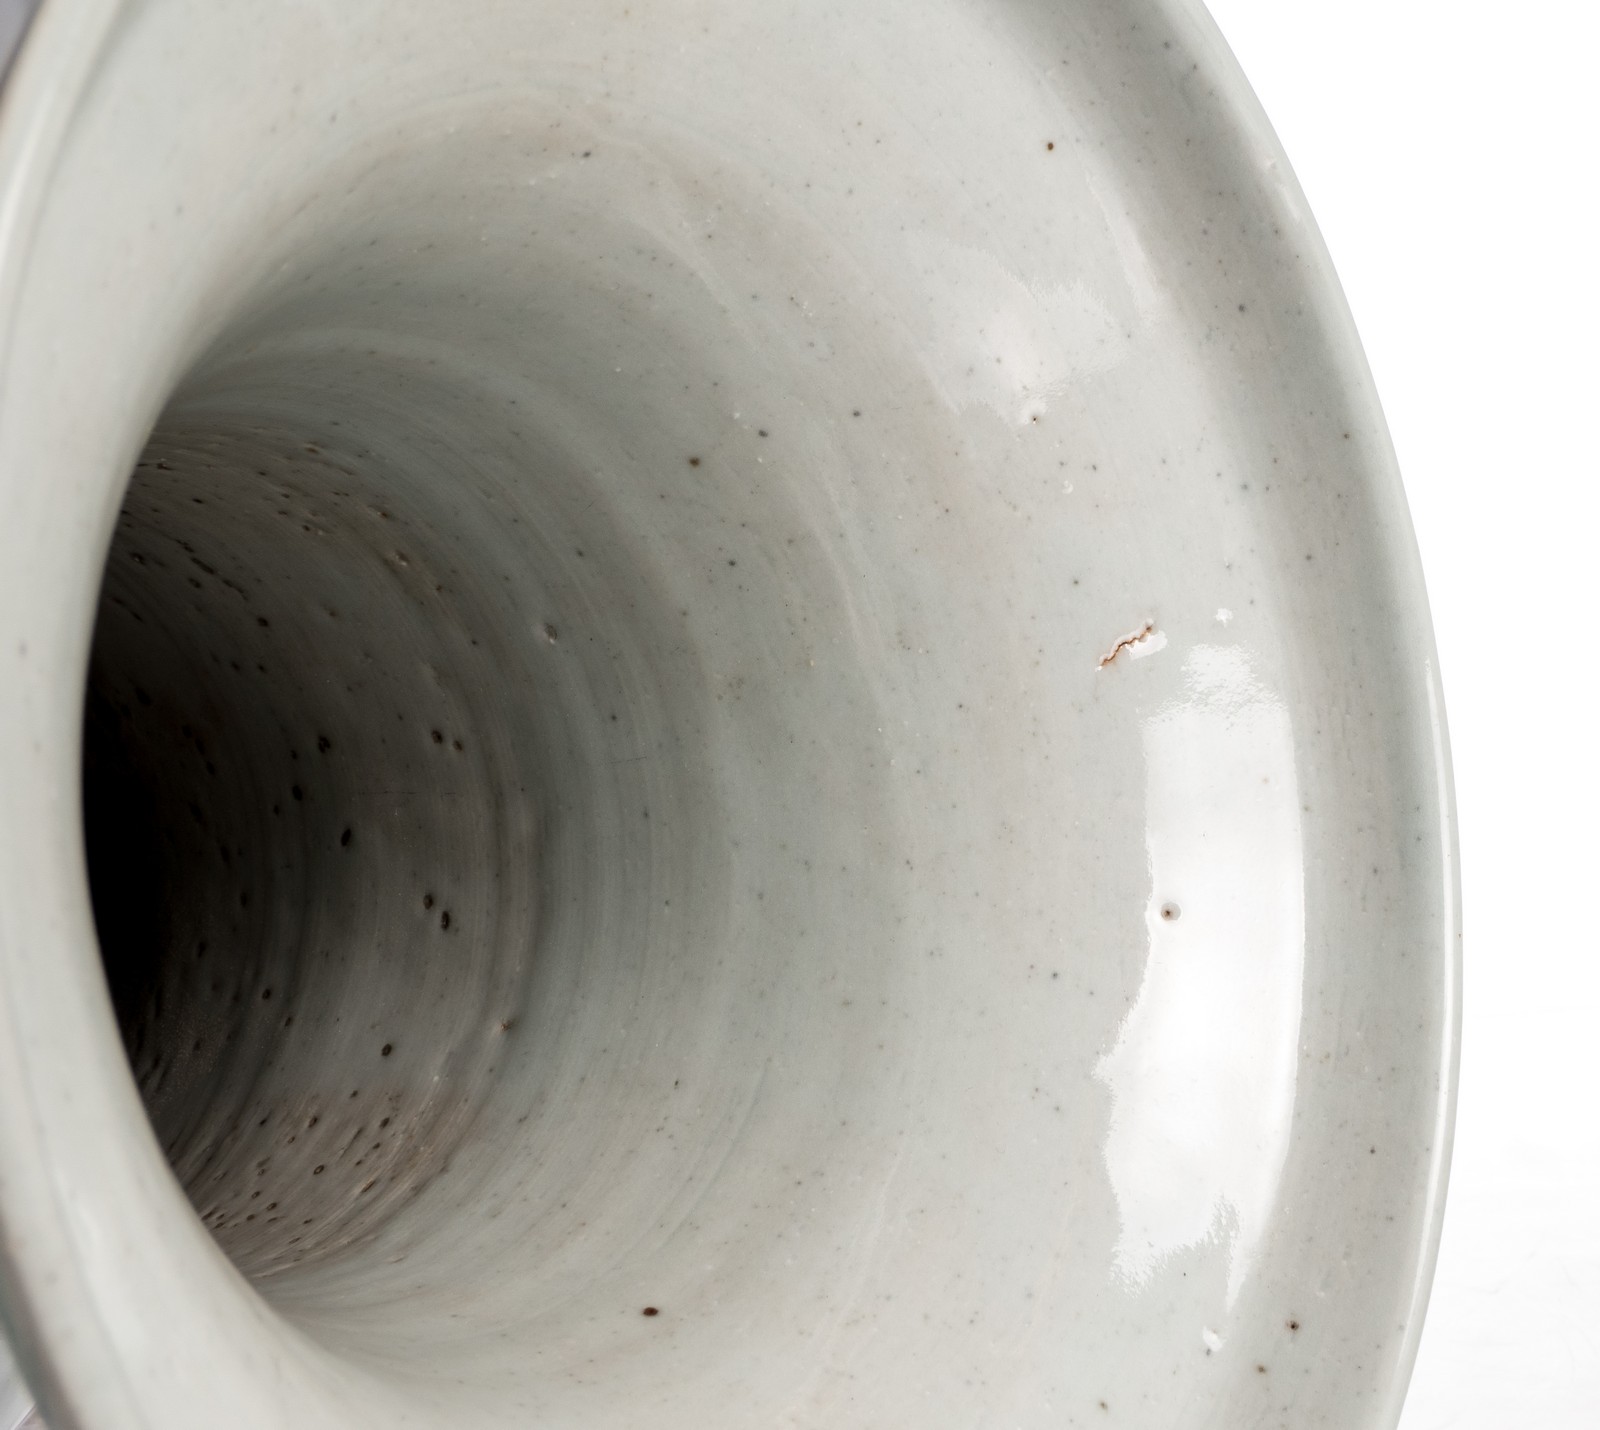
[1451, 154]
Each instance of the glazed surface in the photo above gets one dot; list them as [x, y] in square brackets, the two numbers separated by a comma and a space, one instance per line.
[760, 662]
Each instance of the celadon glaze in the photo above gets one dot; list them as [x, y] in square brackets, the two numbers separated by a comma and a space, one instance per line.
[744, 701]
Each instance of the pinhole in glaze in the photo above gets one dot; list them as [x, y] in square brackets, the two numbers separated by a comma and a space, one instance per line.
[712, 715]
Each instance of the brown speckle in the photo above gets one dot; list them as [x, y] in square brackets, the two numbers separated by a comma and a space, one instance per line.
[650, 1311]
[387, 1049]
[694, 461]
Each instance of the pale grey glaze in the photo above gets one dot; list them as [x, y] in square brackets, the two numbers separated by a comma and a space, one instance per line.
[763, 662]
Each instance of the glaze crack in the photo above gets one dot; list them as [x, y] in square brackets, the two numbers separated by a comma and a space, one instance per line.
[1144, 633]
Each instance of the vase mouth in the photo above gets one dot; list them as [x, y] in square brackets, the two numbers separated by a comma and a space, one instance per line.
[670, 741]
[369, 833]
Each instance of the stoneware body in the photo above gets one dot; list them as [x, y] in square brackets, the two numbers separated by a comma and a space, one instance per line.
[741, 697]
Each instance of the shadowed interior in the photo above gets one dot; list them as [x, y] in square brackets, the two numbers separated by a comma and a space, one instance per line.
[360, 780]
[314, 824]
[443, 872]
